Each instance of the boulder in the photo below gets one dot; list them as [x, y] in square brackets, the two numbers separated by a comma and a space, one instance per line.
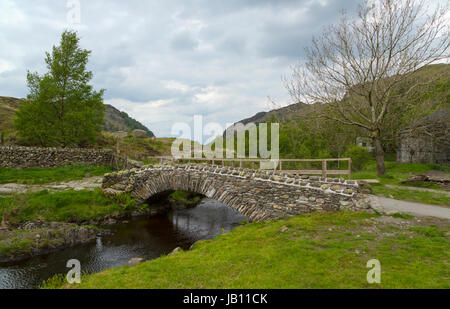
[139, 133]
[176, 250]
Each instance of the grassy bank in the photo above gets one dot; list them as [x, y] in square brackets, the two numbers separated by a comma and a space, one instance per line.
[398, 172]
[64, 206]
[317, 250]
[48, 175]
[42, 221]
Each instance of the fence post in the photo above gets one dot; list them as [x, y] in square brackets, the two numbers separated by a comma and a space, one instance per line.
[240, 163]
[324, 168]
[281, 165]
[350, 168]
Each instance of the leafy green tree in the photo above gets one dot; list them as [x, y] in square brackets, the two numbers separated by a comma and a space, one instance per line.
[62, 109]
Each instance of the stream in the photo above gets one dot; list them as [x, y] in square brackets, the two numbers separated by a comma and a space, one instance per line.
[144, 237]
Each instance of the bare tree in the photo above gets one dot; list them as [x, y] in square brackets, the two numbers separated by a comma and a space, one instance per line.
[355, 66]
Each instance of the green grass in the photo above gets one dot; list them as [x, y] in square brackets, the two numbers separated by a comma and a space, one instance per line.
[398, 172]
[15, 245]
[64, 206]
[48, 175]
[411, 195]
[318, 250]
[185, 197]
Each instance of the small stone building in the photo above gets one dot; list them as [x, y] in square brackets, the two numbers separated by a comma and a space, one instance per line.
[427, 140]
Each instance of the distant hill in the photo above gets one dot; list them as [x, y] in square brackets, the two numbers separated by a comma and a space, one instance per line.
[8, 108]
[283, 114]
[115, 120]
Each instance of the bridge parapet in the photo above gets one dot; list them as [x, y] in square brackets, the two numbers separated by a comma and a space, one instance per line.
[258, 194]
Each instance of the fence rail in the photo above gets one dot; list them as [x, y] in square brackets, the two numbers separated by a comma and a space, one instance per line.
[277, 163]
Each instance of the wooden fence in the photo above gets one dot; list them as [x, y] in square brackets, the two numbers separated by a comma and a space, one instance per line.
[277, 163]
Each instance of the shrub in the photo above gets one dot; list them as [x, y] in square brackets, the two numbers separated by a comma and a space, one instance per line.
[360, 156]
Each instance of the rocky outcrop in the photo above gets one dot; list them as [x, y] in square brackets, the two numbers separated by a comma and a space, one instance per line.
[427, 140]
[257, 194]
[139, 133]
[36, 238]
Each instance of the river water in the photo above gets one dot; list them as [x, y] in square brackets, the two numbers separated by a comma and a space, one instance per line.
[146, 237]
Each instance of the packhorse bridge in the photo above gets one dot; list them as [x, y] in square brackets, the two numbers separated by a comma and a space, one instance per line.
[258, 194]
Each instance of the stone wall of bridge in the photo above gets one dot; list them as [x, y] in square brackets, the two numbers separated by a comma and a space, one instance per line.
[259, 195]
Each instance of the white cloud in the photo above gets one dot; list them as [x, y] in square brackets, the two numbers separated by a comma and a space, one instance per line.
[6, 66]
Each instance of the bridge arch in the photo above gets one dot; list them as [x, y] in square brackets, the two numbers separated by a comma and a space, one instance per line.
[228, 195]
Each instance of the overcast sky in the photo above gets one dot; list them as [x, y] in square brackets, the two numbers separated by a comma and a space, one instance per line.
[165, 61]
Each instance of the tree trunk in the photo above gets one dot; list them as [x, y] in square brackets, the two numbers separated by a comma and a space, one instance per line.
[379, 155]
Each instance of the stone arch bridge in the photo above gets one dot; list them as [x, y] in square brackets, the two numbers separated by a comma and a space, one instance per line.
[259, 195]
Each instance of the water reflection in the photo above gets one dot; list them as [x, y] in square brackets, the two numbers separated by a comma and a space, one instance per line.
[141, 237]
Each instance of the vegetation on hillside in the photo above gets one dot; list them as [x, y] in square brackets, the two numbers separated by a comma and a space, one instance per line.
[316, 250]
[8, 109]
[137, 148]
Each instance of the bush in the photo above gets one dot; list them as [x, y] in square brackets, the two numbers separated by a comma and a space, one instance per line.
[360, 157]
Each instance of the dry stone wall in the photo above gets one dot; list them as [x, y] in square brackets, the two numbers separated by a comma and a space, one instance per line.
[257, 194]
[16, 156]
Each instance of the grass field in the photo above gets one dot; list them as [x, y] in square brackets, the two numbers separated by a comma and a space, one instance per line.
[398, 172]
[317, 250]
[64, 206]
[48, 175]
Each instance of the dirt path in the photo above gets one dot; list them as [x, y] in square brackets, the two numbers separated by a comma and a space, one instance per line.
[387, 205]
[83, 184]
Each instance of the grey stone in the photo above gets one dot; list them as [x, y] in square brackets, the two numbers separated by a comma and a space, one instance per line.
[176, 250]
[135, 261]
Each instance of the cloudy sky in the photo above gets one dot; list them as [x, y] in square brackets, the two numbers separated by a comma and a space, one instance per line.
[165, 61]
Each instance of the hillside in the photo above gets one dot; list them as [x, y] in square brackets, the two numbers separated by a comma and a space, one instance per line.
[115, 120]
[8, 107]
[283, 114]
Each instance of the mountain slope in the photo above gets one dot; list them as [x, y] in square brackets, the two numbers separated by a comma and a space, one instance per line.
[283, 114]
[8, 108]
[115, 120]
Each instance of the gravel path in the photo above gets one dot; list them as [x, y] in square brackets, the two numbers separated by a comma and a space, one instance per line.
[388, 205]
[83, 184]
